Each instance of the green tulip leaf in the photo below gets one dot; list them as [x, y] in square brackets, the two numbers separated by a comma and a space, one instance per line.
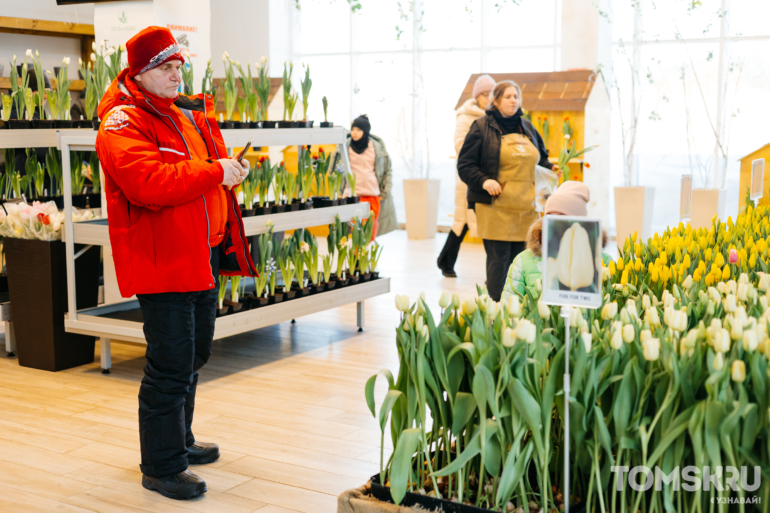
[369, 389]
[513, 471]
[400, 469]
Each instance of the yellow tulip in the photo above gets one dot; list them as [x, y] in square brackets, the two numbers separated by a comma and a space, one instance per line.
[624, 278]
[726, 273]
[612, 267]
[719, 362]
[720, 260]
[654, 275]
[753, 261]
[738, 370]
[620, 264]
[707, 256]
[652, 349]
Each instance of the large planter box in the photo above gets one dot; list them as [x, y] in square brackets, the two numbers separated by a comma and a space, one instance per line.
[633, 212]
[707, 203]
[37, 280]
[421, 199]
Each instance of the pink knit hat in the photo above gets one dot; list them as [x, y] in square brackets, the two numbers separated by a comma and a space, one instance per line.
[570, 199]
[483, 85]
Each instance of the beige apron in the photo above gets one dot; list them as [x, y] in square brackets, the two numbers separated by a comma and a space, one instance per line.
[509, 216]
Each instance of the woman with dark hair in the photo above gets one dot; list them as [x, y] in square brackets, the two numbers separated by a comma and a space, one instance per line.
[497, 163]
[370, 162]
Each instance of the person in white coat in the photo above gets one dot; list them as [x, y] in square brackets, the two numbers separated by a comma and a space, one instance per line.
[464, 218]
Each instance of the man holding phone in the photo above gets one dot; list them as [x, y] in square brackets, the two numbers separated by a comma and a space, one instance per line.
[174, 227]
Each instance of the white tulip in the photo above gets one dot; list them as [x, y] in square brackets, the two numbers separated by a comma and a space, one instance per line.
[514, 306]
[402, 302]
[543, 310]
[687, 283]
[29, 52]
[652, 349]
[750, 342]
[263, 60]
[679, 320]
[691, 338]
[509, 337]
[719, 362]
[455, 302]
[525, 331]
[730, 303]
[645, 302]
[742, 292]
[469, 307]
[743, 278]
[645, 335]
[722, 341]
[93, 56]
[103, 43]
[731, 287]
[420, 323]
[37, 54]
[445, 300]
[492, 308]
[652, 317]
[424, 332]
[616, 341]
[740, 313]
[628, 333]
[721, 287]
[109, 52]
[764, 282]
[538, 285]
[736, 329]
[738, 371]
[93, 45]
[587, 340]
[609, 311]
[122, 47]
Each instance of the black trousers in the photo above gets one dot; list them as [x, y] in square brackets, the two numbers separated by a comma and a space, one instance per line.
[448, 256]
[500, 255]
[179, 328]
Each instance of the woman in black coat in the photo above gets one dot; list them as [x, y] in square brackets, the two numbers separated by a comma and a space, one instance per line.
[497, 162]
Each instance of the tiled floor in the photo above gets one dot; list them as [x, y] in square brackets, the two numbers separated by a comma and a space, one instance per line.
[285, 404]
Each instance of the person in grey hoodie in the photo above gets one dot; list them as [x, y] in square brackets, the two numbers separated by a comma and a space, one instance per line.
[464, 218]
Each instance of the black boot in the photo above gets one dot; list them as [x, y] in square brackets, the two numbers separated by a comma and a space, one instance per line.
[200, 453]
[181, 486]
[448, 256]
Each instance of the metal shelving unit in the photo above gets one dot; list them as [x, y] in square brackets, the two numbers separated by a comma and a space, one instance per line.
[116, 320]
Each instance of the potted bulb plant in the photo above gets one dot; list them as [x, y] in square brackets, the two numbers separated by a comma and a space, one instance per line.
[375, 252]
[311, 263]
[325, 123]
[59, 99]
[249, 189]
[79, 199]
[290, 186]
[263, 92]
[285, 252]
[298, 263]
[222, 308]
[305, 177]
[233, 303]
[279, 177]
[231, 92]
[351, 176]
[54, 169]
[307, 83]
[289, 99]
[263, 188]
[40, 94]
[188, 77]
[18, 91]
[7, 106]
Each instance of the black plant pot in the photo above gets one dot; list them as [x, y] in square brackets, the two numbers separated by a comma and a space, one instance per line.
[94, 200]
[96, 123]
[293, 207]
[37, 279]
[287, 124]
[226, 125]
[63, 123]
[263, 211]
[376, 275]
[356, 199]
[44, 124]
[269, 124]
[234, 307]
[275, 298]
[84, 123]
[247, 212]
[59, 200]
[305, 124]
[288, 294]
[330, 284]
[326, 124]
[354, 279]
[301, 291]
[317, 288]
[279, 209]
[3, 284]
[366, 277]
[20, 124]
[225, 310]
[245, 303]
[342, 283]
[239, 124]
[255, 124]
[80, 200]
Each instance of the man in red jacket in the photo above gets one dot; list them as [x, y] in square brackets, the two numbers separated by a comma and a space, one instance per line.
[174, 226]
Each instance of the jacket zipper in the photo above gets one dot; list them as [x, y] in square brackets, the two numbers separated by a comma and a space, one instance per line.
[240, 232]
[208, 234]
[128, 205]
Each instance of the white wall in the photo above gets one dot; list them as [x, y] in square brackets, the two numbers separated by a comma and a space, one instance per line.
[242, 28]
[48, 10]
[52, 51]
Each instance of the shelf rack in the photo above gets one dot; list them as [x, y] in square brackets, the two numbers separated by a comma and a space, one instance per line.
[116, 320]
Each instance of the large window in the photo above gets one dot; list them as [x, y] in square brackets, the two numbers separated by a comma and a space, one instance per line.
[678, 47]
[409, 86]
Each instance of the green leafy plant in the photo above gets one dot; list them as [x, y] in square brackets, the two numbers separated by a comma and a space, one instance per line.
[207, 84]
[250, 99]
[115, 65]
[249, 187]
[266, 263]
[375, 252]
[321, 165]
[325, 103]
[29, 102]
[352, 183]
[291, 105]
[59, 98]
[243, 108]
[7, 105]
[230, 87]
[263, 87]
[188, 75]
[342, 243]
[76, 172]
[305, 172]
[568, 153]
[287, 96]
[235, 283]
[104, 69]
[95, 172]
[222, 290]
[35, 172]
[298, 257]
[10, 160]
[91, 98]
[53, 165]
[40, 79]
[307, 83]
[18, 90]
[310, 254]
[285, 261]
[265, 181]
[289, 184]
[279, 173]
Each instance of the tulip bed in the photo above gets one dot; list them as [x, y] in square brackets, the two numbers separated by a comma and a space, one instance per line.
[671, 371]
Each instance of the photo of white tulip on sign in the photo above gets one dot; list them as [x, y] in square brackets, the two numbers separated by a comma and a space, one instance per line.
[757, 179]
[573, 261]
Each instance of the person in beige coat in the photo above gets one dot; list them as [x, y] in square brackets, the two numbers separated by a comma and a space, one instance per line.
[464, 218]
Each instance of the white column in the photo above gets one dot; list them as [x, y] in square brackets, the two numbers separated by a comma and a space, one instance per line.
[721, 118]
[419, 146]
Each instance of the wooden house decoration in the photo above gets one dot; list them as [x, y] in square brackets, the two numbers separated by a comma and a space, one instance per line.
[761, 153]
[581, 98]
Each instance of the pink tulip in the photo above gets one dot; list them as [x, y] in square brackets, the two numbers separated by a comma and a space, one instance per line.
[733, 259]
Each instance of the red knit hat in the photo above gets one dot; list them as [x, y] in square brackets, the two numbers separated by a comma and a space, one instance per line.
[150, 48]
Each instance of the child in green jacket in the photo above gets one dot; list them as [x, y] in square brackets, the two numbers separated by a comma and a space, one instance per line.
[570, 199]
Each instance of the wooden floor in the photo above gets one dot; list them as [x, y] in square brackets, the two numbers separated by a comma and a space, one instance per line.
[284, 403]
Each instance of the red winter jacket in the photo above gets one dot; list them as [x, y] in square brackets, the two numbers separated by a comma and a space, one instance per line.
[159, 226]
